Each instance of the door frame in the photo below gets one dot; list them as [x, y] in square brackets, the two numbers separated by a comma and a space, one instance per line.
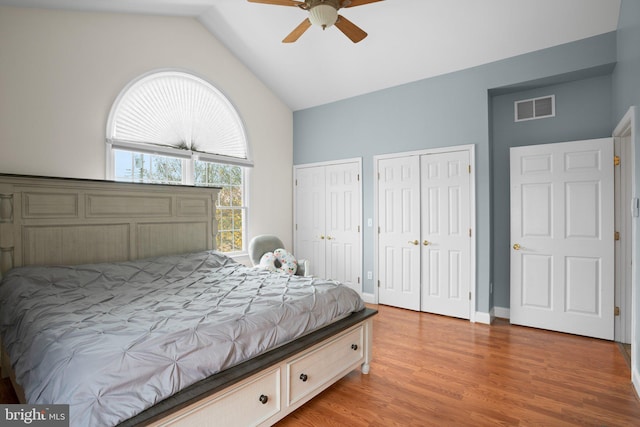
[470, 148]
[625, 224]
[357, 160]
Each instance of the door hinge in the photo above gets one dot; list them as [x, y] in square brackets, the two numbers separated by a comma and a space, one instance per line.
[358, 229]
[358, 177]
[616, 235]
[358, 279]
[616, 311]
[469, 168]
[296, 182]
[296, 227]
[469, 296]
[378, 283]
[616, 160]
[469, 232]
[378, 229]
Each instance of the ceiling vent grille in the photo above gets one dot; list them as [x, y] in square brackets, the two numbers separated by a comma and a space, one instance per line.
[535, 108]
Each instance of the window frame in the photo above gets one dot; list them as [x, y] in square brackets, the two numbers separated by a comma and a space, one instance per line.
[188, 179]
[187, 157]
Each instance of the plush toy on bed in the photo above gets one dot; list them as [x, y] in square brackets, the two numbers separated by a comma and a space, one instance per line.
[279, 260]
[264, 243]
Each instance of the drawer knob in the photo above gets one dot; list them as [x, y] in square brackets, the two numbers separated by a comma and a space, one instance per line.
[264, 399]
[354, 347]
[304, 377]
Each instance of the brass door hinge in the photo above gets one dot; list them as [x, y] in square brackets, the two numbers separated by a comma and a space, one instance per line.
[469, 168]
[616, 235]
[616, 160]
[616, 311]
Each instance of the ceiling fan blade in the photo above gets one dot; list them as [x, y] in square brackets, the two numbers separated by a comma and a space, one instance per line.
[297, 32]
[350, 29]
[279, 2]
[354, 3]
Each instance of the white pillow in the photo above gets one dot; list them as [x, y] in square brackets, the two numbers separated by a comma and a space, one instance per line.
[288, 262]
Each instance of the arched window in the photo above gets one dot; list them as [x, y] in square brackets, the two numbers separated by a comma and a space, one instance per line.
[176, 128]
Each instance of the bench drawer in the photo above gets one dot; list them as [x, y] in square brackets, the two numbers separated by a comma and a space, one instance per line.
[312, 371]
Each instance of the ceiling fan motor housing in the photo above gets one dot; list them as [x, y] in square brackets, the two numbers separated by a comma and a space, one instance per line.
[323, 16]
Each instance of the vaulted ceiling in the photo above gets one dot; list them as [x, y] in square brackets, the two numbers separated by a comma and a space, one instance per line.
[408, 40]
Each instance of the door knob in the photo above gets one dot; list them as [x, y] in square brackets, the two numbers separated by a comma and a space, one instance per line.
[414, 242]
[426, 243]
[329, 237]
[321, 237]
[516, 247]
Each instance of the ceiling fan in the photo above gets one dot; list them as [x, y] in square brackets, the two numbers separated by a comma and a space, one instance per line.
[323, 13]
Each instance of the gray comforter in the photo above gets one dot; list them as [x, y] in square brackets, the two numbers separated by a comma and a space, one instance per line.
[113, 339]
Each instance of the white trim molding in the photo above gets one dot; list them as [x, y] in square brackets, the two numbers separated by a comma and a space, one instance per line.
[369, 298]
[502, 312]
[627, 127]
[483, 317]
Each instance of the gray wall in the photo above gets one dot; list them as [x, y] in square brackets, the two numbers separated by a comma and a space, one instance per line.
[447, 110]
[626, 92]
[583, 111]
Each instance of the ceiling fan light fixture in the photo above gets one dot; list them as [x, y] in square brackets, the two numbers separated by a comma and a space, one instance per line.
[323, 15]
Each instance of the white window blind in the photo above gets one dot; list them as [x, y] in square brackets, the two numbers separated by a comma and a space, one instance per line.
[178, 114]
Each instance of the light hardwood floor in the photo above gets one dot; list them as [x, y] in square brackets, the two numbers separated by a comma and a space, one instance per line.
[430, 370]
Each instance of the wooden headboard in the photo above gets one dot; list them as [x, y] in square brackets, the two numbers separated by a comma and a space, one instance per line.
[73, 221]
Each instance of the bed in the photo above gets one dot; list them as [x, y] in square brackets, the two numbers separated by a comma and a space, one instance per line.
[135, 286]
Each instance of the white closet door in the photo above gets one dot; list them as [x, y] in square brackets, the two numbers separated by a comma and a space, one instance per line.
[446, 243]
[562, 237]
[399, 233]
[310, 218]
[342, 224]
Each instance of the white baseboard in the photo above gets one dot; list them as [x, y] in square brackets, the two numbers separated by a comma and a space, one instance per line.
[502, 312]
[635, 380]
[482, 317]
[369, 298]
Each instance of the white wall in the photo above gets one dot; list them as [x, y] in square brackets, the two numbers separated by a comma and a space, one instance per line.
[61, 71]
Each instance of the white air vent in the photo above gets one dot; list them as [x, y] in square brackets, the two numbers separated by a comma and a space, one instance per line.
[535, 108]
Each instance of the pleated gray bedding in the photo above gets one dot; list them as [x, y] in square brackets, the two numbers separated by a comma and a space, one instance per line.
[111, 340]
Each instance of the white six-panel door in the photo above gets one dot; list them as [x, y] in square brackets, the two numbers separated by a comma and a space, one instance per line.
[327, 225]
[399, 232]
[562, 237]
[446, 243]
[342, 227]
[310, 193]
